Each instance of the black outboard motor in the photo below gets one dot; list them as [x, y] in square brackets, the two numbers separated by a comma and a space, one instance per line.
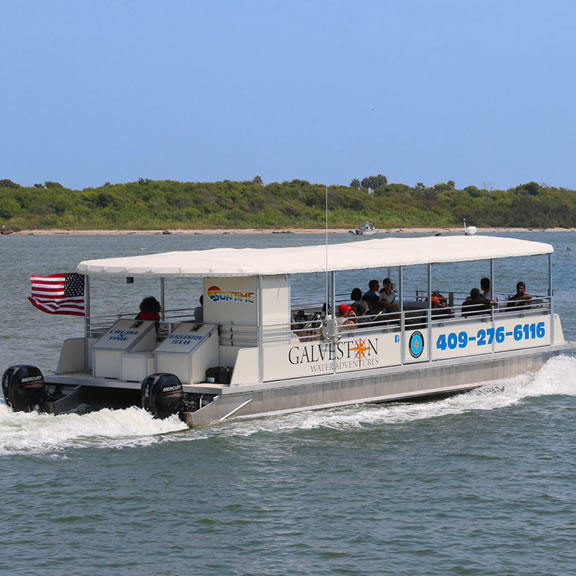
[24, 389]
[162, 394]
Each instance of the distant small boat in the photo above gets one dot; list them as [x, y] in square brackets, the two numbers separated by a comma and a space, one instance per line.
[367, 229]
[469, 230]
[5, 231]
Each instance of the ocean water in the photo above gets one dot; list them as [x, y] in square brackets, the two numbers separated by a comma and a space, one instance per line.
[477, 484]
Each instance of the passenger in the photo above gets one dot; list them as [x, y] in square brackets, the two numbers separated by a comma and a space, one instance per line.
[373, 303]
[346, 317]
[440, 305]
[438, 300]
[372, 294]
[487, 292]
[388, 301]
[150, 310]
[521, 298]
[388, 294]
[306, 327]
[199, 311]
[358, 304]
[475, 304]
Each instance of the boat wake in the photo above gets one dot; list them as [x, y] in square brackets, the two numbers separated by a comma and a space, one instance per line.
[35, 433]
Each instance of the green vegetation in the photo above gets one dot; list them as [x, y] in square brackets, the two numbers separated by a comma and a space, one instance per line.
[148, 204]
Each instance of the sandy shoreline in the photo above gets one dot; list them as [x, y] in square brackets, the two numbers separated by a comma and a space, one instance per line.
[280, 231]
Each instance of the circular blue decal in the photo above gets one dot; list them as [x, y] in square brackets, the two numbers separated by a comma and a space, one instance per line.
[416, 344]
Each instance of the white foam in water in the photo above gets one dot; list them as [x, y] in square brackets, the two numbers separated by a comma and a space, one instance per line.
[39, 433]
[42, 433]
[557, 376]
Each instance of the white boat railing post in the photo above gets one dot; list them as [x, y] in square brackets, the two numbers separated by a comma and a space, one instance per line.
[429, 313]
[551, 300]
[402, 319]
[492, 308]
[162, 297]
[332, 343]
[260, 335]
[326, 278]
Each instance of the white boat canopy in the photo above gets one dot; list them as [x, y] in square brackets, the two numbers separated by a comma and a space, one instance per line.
[306, 259]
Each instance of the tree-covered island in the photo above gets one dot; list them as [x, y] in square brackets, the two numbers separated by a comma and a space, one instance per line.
[166, 204]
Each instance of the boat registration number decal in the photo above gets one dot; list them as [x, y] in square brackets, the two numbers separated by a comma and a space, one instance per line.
[486, 336]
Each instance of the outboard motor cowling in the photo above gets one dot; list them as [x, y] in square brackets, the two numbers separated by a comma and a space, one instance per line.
[162, 394]
[24, 388]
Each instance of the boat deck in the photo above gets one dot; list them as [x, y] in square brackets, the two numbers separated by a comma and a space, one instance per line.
[85, 379]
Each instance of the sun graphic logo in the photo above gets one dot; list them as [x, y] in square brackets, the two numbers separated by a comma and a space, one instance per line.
[216, 294]
[360, 348]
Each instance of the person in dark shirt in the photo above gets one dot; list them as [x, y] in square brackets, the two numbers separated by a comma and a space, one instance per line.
[372, 296]
[358, 304]
[475, 304]
[521, 298]
[199, 311]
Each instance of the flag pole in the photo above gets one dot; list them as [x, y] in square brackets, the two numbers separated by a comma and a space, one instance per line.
[87, 324]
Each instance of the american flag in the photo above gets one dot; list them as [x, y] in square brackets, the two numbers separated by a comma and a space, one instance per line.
[58, 293]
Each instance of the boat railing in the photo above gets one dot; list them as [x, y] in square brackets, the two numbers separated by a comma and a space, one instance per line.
[98, 325]
[459, 313]
[308, 322]
[239, 335]
[415, 314]
[457, 298]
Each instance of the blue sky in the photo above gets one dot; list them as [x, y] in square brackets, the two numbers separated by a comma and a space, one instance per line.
[480, 92]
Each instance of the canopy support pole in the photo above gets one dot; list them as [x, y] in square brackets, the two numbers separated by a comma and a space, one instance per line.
[551, 298]
[163, 297]
[492, 308]
[402, 319]
[87, 322]
[260, 335]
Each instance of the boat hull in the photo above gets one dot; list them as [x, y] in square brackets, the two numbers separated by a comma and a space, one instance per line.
[372, 386]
